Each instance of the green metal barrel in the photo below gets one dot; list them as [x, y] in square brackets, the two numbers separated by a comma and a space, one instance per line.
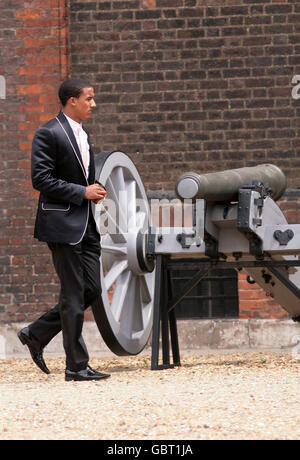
[225, 185]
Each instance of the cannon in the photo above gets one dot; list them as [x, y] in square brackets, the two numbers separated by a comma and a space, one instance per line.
[225, 185]
[235, 223]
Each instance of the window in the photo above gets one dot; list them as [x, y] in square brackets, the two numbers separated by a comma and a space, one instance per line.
[215, 296]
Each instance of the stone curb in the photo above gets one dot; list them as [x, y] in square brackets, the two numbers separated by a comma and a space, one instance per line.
[194, 335]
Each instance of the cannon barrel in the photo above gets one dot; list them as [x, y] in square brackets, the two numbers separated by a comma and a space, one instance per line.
[225, 185]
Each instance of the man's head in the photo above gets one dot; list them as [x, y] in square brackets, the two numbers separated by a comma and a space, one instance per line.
[77, 98]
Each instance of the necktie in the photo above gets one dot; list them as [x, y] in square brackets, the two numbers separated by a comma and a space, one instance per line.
[83, 147]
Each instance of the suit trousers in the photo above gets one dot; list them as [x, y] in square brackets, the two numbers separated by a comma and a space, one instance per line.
[78, 269]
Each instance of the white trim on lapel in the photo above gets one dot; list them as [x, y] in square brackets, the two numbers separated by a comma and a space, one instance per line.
[82, 167]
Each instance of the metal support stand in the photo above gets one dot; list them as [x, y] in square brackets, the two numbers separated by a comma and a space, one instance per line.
[164, 317]
[164, 321]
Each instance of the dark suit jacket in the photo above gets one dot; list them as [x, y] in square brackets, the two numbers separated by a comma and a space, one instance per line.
[57, 172]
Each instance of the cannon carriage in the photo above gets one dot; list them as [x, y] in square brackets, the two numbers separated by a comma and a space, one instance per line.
[235, 223]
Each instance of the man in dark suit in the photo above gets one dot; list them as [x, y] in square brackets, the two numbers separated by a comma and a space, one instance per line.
[63, 170]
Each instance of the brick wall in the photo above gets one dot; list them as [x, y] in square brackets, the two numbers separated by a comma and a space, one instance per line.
[192, 84]
[180, 84]
[33, 59]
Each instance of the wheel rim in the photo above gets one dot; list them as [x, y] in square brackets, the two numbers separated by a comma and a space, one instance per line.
[124, 317]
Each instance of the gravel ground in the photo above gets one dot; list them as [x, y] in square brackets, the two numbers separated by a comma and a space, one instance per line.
[211, 396]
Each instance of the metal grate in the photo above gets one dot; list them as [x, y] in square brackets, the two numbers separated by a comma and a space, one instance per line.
[215, 296]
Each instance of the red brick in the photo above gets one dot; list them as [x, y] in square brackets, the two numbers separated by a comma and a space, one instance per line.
[17, 260]
[25, 164]
[46, 4]
[44, 117]
[24, 146]
[29, 13]
[148, 3]
[31, 70]
[29, 89]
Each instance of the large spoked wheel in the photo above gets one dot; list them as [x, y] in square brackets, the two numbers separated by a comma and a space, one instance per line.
[124, 317]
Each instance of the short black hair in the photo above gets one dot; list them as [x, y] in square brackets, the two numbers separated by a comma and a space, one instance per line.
[71, 88]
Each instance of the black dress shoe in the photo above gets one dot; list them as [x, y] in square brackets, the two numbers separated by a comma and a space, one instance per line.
[84, 375]
[34, 347]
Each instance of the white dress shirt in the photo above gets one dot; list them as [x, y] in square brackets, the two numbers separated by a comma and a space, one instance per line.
[82, 142]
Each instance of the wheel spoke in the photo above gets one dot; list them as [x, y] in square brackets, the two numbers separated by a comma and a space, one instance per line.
[145, 290]
[131, 191]
[116, 250]
[115, 232]
[117, 268]
[120, 292]
[118, 178]
[141, 220]
[120, 199]
[131, 315]
[138, 320]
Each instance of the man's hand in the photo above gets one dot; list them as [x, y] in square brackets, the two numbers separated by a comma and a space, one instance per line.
[95, 193]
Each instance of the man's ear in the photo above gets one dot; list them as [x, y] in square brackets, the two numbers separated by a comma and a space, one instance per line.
[72, 101]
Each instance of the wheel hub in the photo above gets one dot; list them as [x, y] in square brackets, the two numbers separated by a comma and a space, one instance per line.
[134, 251]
